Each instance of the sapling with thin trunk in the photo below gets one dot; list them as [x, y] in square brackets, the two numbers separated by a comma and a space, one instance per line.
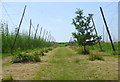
[84, 35]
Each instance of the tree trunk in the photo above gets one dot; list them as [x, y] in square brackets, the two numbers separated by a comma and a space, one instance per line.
[85, 51]
[84, 48]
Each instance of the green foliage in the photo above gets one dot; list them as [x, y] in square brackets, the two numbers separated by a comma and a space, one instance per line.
[5, 55]
[115, 53]
[23, 57]
[62, 44]
[106, 46]
[49, 49]
[23, 42]
[7, 78]
[45, 50]
[42, 52]
[84, 35]
[93, 57]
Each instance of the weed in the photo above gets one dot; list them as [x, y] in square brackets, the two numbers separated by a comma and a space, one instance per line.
[23, 57]
[49, 49]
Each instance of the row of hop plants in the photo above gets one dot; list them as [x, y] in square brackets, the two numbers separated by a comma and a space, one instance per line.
[23, 42]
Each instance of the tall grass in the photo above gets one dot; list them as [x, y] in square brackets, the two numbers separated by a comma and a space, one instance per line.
[23, 41]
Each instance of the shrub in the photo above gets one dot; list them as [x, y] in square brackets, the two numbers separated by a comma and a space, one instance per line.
[42, 52]
[23, 57]
[35, 58]
[93, 57]
[49, 49]
[37, 53]
[46, 50]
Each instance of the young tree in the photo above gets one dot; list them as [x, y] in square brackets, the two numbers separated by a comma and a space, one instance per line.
[84, 35]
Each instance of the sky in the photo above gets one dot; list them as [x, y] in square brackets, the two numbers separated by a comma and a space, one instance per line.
[56, 17]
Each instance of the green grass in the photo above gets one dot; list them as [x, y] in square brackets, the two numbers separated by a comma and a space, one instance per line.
[0, 55]
[64, 64]
[7, 79]
[63, 68]
[3, 55]
[106, 47]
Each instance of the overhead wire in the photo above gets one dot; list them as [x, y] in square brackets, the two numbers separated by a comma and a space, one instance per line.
[7, 13]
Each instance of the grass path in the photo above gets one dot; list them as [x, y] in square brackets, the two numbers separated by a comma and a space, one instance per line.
[62, 66]
[63, 63]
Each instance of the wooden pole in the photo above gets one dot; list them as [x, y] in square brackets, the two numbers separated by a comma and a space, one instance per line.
[30, 29]
[12, 47]
[50, 37]
[40, 32]
[97, 34]
[36, 31]
[46, 35]
[107, 29]
[43, 34]
[28, 42]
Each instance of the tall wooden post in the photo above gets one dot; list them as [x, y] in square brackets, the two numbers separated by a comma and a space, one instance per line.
[12, 47]
[43, 34]
[46, 35]
[36, 31]
[107, 29]
[40, 32]
[30, 29]
[97, 34]
[50, 37]
[28, 42]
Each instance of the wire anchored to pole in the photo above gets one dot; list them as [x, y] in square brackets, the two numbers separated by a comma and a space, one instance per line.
[97, 34]
[12, 48]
